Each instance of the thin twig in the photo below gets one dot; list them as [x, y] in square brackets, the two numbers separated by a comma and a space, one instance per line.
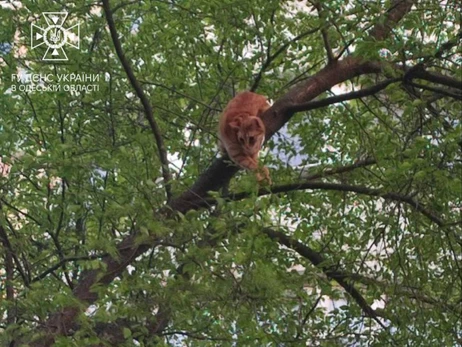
[343, 188]
[172, 89]
[307, 315]
[270, 58]
[21, 212]
[63, 262]
[142, 96]
[340, 169]
[10, 253]
[325, 37]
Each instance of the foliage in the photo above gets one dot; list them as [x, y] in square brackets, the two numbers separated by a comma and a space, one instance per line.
[366, 191]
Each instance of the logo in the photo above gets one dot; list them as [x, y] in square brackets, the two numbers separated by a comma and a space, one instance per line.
[55, 36]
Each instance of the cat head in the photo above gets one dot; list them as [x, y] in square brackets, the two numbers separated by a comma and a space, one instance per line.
[250, 133]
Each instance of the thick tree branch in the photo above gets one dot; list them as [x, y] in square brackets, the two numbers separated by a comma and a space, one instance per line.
[142, 96]
[338, 72]
[398, 9]
[330, 271]
[419, 72]
[438, 78]
[343, 97]
[204, 201]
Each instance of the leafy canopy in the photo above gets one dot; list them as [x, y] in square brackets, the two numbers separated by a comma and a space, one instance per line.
[367, 192]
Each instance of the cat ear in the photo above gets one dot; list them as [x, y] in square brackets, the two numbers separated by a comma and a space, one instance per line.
[235, 124]
[257, 123]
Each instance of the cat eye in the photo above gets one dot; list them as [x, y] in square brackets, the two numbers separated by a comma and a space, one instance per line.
[251, 140]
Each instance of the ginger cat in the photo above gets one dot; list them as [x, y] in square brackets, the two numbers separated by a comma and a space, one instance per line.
[242, 132]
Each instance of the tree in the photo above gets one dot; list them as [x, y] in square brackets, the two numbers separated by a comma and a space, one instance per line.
[121, 224]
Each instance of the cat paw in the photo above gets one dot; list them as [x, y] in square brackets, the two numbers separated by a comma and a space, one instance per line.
[249, 164]
[264, 176]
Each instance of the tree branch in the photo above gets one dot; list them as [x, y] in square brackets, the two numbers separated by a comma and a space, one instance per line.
[418, 71]
[444, 47]
[401, 289]
[113, 332]
[142, 96]
[318, 260]
[9, 270]
[64, 261]
[437, 90]
[342, 188]
[61, 322]
[340, 169]
[173, 90]
[325, 38]
[270, 58]
[10, 253]
[343, 97]
[397, 11]
[18, 211]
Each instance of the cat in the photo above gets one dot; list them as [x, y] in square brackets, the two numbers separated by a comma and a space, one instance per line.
[242, 132]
